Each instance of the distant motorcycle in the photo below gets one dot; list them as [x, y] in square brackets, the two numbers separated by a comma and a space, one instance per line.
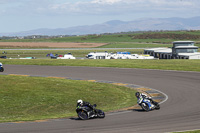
[148, 105]
[1, 67]
[85, 112]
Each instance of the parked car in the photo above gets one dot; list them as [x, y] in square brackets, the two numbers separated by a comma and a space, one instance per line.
[4, 57]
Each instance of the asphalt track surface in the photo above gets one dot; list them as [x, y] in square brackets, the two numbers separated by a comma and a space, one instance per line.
[180, 112]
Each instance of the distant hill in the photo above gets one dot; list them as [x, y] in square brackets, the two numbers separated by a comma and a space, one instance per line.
[119, 26]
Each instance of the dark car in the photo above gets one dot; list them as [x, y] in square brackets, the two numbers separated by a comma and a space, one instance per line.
[3, 57]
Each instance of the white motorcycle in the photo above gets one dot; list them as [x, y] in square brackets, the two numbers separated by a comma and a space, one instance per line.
[147, 104]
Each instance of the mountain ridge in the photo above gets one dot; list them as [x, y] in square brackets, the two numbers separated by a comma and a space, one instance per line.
[114, 26]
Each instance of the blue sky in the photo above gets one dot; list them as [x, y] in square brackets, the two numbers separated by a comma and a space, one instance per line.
[22, 15]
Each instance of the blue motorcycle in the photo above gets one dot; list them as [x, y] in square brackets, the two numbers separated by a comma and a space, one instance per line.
[147, 104]
[1, 67]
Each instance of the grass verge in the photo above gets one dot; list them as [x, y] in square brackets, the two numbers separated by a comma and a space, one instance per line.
[175, 64]
[76, 53]
[197, 131]
[32, 98]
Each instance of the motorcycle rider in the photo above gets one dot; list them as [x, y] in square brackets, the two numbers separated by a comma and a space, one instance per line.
[1, 67]
[83, 103]
[142, 95]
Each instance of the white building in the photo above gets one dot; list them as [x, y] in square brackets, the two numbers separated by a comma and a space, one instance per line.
[161, 53]
[180, 50]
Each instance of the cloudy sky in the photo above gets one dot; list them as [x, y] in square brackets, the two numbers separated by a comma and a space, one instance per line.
[22, 15]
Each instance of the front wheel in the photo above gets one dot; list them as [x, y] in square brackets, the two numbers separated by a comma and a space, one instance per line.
[82, 115]
[1, 69]
[100, 114]
[145, 106]
[157, 107]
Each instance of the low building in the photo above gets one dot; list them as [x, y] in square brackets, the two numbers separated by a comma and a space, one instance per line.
[180, 50]
[161, 53]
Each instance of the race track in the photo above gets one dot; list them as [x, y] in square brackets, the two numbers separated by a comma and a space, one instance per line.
[180, 112]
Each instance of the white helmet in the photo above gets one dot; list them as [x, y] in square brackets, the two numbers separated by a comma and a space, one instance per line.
[80, 101]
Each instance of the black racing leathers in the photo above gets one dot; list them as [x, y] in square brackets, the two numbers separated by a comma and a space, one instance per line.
[86, 104]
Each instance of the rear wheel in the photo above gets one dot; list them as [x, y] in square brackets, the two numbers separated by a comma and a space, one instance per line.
[145, 106]
[82, 115]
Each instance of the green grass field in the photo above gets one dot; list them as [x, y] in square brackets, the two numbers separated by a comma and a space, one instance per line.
[120, 40]
[197, 131]
[35, 98]
[134, 45]
[180, 65]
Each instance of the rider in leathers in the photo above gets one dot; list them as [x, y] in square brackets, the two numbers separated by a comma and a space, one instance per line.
[142, 95]
[83, 103]
[1, 67]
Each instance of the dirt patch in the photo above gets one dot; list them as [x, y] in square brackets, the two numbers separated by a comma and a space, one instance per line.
[50, 45]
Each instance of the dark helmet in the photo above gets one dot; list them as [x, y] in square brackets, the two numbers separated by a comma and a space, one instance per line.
[137, 94]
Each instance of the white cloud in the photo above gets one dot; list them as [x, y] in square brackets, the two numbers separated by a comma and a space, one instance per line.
[105, 1]
[95, 6]
[111, 6]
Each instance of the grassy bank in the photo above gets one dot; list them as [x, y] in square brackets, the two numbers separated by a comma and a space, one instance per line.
[126, 37]
[135, 45]
[180, 65]
[33, 98]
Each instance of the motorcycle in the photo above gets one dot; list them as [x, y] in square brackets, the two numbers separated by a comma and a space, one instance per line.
[1, 67]
[147, 104]
[85, 113]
